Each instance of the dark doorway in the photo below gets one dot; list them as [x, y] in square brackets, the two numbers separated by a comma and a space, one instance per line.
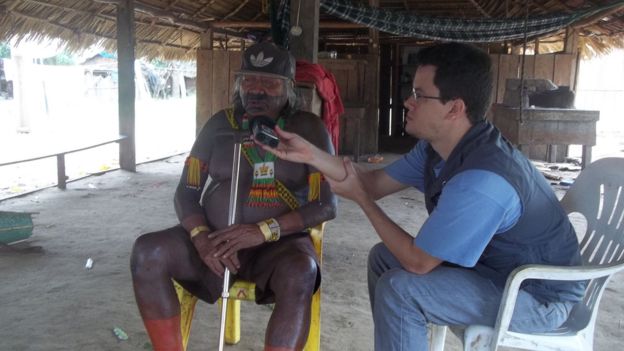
[395, 81]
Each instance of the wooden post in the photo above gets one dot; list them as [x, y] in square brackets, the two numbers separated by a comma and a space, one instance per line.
[306, 15]
[204, 81]
[371, 126]
[570, 45]
[126, 90]
[536, 51]
[61, 178]
[397, 99]
[386, 75]
[21, 91]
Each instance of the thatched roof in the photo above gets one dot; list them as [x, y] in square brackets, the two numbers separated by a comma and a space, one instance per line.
[171, 28]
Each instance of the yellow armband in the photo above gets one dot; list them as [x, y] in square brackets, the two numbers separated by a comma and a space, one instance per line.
[270, 228]
[199, 229]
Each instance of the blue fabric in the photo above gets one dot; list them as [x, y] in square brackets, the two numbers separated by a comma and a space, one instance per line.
[410, 169]
[542, 235]
[403, 303]
[475, 205]
[490, 210]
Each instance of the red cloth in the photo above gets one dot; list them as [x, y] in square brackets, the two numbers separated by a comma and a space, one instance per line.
[328, 90]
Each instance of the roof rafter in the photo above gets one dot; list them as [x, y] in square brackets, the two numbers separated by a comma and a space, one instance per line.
[236, 10]
[204, 7]
[480, 8]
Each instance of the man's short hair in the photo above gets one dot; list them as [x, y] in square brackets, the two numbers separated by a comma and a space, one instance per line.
[462, 72]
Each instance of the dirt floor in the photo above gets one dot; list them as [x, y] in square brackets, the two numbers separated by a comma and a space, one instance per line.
[49, 301]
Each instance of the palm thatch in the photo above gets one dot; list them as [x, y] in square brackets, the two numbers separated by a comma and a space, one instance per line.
[172, 29]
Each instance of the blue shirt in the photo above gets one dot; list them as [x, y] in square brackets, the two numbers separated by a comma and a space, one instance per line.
[473, 207]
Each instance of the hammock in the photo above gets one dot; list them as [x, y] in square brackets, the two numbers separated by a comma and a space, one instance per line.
[485, 30]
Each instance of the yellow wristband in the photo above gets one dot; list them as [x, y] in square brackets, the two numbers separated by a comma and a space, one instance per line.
[264, 228]
[199, 229]
[270, 229]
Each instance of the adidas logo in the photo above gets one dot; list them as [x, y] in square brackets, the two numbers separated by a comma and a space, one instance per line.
[260, 61]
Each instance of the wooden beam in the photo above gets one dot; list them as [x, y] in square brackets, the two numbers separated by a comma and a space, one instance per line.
[155, 12]
[64, 8]
[597, 17]
[536, 49]
[373, 47]
[571, 41]
[371, 126]
[204, 88]
[126, 90]
[266, 25]
[201, 9]
[479, 8]
[236, 9]
[76, 30]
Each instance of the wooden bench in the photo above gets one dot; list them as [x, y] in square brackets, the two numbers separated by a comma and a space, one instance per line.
[60, 158]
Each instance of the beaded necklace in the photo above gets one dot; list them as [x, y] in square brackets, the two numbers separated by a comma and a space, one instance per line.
[263, 192]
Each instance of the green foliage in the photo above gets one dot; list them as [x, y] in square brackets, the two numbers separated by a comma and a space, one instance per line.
[5, 50]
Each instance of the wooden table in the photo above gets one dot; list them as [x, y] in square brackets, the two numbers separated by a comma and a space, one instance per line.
[548, 126]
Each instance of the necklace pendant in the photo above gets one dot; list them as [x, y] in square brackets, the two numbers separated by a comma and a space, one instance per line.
[263, 192]
[264, 171]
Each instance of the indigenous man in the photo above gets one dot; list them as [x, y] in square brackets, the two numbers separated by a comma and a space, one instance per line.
[278, 201]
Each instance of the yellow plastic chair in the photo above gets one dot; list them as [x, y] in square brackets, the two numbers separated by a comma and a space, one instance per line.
[244, 290]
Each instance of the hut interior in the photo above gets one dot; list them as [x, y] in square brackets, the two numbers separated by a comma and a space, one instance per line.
[368, 46]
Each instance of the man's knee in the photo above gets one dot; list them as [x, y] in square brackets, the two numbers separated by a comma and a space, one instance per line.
[395, 292]
[296, 274]
[147, 252]
[380, 259]
[374, 254]
[387, 286]
[392, 286]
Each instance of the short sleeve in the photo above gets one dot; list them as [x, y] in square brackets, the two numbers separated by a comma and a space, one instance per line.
[410, 169]
[473, 207]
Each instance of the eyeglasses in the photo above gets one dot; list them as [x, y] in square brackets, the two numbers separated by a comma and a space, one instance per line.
[416, 95]
[248, 81]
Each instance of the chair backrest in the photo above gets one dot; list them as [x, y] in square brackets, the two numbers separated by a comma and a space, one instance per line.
[597, 194]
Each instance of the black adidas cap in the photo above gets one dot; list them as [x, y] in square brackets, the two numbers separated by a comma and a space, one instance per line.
[269, 60]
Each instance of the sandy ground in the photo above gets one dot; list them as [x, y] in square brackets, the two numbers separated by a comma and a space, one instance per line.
[49, 301]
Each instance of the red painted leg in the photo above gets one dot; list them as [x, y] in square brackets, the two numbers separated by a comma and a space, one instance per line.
[165, 333]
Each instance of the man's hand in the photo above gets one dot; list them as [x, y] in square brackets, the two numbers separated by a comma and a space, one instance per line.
[217, 265]
[292, 147]
[235, 237]
[206, 248]
[351, 187]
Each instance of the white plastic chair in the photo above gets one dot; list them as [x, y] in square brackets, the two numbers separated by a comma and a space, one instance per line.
[597, 194]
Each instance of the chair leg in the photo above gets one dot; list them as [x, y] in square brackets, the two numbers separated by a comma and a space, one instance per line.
[314, 336]
[232, 322]
[187, 307]
[478, 338]
[438, 335]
